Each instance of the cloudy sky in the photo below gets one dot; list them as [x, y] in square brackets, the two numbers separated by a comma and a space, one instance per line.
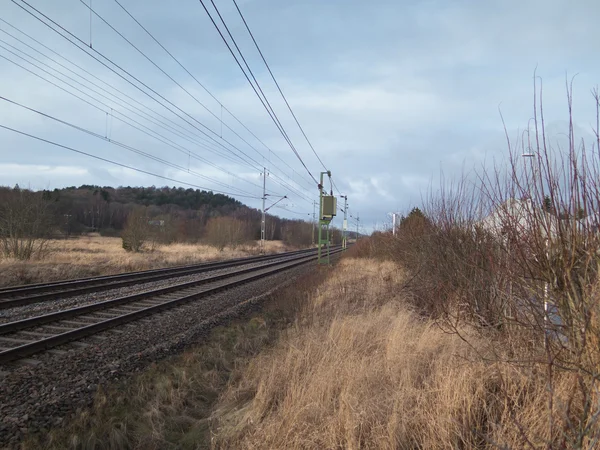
[389, 93]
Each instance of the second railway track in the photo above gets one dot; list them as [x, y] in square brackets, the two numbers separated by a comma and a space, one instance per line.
[24, 295]
[26, 337]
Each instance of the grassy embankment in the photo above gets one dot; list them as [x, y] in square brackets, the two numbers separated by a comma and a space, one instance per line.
[342, 359]
[95, 255]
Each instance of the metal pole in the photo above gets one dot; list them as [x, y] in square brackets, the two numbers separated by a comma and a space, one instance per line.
[345, 224]
[320, 217]
[323, 225]
[547, 238]
[262, 223]
[394, 224]
[357, 220]
[314, 221]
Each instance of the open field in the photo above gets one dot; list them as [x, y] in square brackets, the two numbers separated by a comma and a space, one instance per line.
[95, 255]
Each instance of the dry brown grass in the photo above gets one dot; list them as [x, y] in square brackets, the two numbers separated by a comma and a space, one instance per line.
[169, 405]
[95, 255]
[360, 370]
[352, 367]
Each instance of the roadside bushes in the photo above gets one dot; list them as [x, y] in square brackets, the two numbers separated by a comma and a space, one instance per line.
[514, 251]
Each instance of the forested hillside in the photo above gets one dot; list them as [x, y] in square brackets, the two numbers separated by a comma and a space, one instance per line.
[172, 214]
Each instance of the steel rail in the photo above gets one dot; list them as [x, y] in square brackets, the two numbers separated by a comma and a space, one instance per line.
[17, 288]
[51, 291]
[36, 346]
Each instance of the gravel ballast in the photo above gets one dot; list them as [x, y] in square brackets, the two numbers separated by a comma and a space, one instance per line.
[46, 307]
[41, 394]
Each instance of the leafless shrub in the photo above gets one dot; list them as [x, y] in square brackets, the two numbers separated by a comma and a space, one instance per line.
[222, 232]
[515, 250]
[25, 222]
[137, 230]
[298, 233]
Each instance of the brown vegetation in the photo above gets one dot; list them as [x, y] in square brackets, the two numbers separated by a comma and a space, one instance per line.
[361, 370]
[93, 255]
[24, 224]
[503, 274]
[227, 231]
[136, 231]
[170, 404]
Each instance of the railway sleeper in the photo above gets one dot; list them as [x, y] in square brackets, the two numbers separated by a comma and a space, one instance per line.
[123, 310]
[59, 329]
[106, 314]
[76, 323]
[35, 334]
[13, 340]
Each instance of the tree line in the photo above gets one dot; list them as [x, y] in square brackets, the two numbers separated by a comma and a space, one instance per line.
[141, 215]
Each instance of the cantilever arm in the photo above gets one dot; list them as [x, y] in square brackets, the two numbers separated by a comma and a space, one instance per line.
[285, 196]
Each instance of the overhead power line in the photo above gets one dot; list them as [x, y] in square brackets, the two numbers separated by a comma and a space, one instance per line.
[264, 102]
[336, 188]
[84, 47]
[173, 80]
[98, 93]
[74, 40]
[205, 89]
[148, 131]
[23, 133]
[294, 212]
[125, 146]
[170, 78]
[277, 84]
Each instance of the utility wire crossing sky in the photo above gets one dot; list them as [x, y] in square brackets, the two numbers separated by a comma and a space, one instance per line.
[205, 93]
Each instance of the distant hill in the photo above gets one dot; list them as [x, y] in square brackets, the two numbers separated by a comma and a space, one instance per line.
[182, 214]
[184, 198]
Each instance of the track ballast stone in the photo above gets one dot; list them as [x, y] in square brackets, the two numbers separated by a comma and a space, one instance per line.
[46, 307]
[34, 398]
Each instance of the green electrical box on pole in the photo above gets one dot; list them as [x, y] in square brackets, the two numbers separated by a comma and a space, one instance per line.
[327, 211]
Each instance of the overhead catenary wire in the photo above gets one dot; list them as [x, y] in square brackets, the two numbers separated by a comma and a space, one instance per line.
[223, 107]
[147, 130]
[80, 128]
[177, 83]
[168, 76]
[84, 48]
[87, 50]
[80, 98]
[273, 116]
[125, 146]
[335, 187]
[171, 129]
[97, 93]
[277, 84]
[293, 212]
[126, 166]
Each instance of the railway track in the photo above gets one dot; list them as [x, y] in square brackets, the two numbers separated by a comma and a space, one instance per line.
[15, 296]
[26, 337]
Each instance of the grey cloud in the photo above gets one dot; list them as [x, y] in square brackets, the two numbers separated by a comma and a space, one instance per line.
[389, 92]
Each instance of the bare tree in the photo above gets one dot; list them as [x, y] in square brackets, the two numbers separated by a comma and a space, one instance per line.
[25, 223]
[515, 251]
[226, 231]
[136, 231]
